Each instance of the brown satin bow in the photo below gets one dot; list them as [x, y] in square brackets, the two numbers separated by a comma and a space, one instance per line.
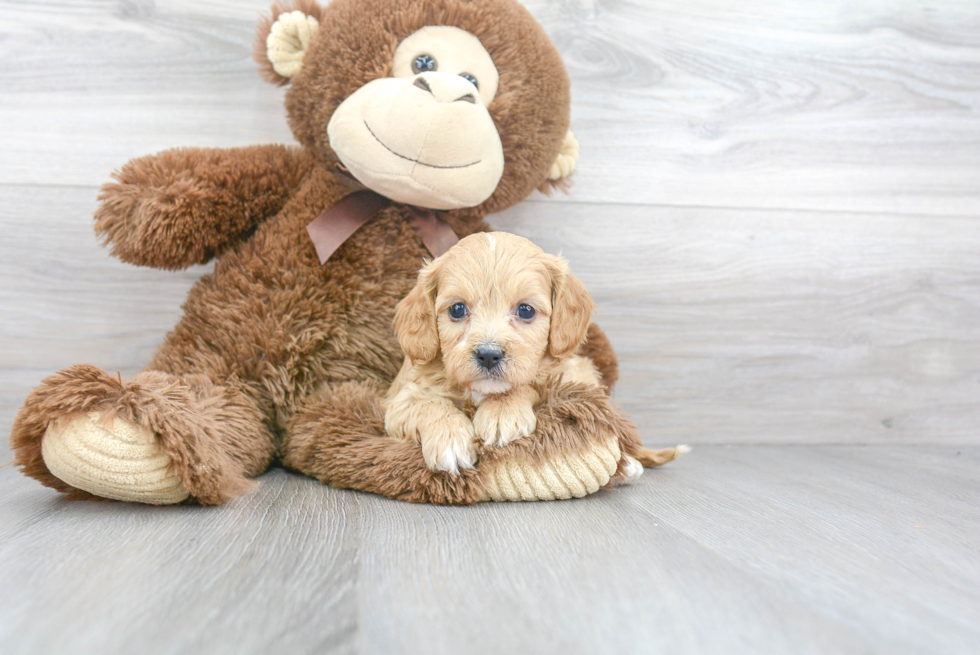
[333, 227]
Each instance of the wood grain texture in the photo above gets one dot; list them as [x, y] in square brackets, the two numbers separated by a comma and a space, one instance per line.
[772, 326]
[806, 549]
[830, 106]
[839, 105]
[102, 577]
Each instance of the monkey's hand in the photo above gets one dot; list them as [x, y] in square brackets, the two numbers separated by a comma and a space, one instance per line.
[184, 206]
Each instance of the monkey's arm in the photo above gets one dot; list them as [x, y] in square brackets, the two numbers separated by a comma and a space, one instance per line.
[184, 206]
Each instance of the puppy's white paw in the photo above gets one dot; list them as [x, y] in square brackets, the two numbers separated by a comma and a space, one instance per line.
[499, 423]
[449, 446]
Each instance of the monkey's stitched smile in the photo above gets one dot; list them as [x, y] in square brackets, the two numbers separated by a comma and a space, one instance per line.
[409, 158]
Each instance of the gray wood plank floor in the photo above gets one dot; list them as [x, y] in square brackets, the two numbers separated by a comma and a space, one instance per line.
[778, 212]
[779, 549]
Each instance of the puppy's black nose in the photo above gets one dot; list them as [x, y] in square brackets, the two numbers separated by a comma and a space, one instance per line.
[489, 357]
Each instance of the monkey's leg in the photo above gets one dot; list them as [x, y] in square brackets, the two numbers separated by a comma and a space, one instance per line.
[581, 444]
[158, 438]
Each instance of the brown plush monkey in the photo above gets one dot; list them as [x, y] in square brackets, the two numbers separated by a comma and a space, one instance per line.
[459, 106]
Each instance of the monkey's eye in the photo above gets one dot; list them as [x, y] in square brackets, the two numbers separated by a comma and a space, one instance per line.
[526, 312]
[457, 311]
[469, 78]
[424, 64]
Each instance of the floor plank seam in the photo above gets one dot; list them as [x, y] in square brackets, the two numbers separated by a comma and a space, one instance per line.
[767, 209]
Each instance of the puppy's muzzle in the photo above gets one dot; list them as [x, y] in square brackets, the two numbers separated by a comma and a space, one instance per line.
[489, 356]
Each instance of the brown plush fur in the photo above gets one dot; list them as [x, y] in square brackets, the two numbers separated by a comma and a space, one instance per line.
[185, 206]
[277, 354]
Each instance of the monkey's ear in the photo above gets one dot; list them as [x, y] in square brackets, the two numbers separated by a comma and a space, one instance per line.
[563, 166]
[283, 37]
[415, 318]
[571, 310]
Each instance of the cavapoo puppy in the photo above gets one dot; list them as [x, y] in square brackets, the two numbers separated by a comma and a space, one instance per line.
[487, 320]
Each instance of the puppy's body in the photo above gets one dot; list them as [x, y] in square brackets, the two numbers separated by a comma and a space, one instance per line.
[487, 320]
[425, 405]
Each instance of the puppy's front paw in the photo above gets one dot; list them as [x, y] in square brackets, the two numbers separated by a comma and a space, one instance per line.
[499, 423]
[448, 445]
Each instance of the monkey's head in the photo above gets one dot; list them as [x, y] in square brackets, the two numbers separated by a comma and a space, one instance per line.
[443, 104]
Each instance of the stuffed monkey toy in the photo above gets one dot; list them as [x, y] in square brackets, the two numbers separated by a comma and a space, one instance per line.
[415, 119]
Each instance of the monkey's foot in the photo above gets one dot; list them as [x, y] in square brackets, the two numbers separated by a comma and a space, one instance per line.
[111, 458]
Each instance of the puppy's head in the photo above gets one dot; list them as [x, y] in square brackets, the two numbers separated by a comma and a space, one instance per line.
[491, 308]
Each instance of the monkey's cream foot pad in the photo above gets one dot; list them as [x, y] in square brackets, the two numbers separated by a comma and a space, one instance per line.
[111, 458]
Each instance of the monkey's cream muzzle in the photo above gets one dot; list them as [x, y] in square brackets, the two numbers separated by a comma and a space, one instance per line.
[424, 136]
[426, 141]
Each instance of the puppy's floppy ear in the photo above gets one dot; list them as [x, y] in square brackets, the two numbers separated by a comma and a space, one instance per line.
[415, 318]
[571, 310]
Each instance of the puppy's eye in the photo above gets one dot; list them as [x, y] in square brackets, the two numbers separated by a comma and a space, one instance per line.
[424, 64]
[457, 311]
[469, 78]
[526, 312]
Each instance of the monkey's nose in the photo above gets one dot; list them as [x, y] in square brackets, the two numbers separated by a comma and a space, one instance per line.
[445, 87]
[489, 356]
